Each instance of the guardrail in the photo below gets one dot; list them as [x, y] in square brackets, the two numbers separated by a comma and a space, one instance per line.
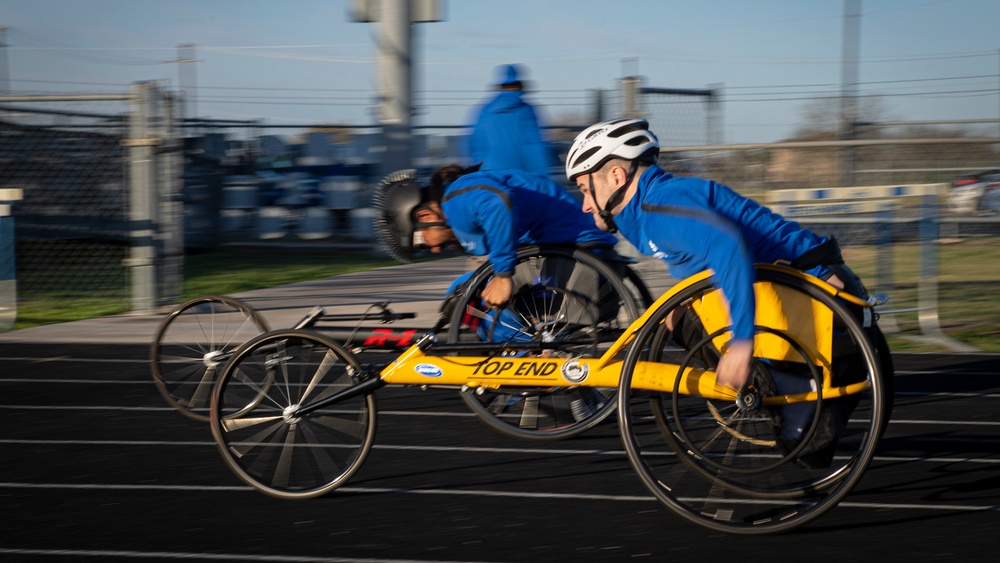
[883, 203]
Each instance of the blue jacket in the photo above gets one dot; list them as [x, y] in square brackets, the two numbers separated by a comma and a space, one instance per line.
[492, 212]
[695, 225]
[506, 134]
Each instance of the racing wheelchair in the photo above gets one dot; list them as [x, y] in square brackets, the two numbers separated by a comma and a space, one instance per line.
[560, 284]
[294, 413]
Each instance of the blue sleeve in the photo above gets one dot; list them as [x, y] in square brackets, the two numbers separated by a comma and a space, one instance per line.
[702, 240]
[484, 224]
[499, 230]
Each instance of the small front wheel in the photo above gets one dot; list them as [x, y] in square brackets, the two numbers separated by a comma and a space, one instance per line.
[271, 424]
[193, 343]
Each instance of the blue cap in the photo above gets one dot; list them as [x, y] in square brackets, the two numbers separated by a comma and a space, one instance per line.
[507, 74]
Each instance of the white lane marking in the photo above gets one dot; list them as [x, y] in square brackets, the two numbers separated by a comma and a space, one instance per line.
[532, 451]
[892, 422]
[478, 493]
[209, 556]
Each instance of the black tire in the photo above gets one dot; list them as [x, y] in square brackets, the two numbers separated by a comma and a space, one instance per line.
[193, 343]
[740, 467]
[638, 287]
[263, 435]
[888, 374]
[569, 276]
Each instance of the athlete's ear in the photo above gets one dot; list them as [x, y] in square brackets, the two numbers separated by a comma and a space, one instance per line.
[619, 175]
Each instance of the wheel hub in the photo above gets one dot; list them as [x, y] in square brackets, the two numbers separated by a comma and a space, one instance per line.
[748, 399]
[211, 359]
[290, 414]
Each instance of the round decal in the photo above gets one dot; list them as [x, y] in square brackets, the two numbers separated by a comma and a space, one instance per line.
[429, 370]
[574, 371]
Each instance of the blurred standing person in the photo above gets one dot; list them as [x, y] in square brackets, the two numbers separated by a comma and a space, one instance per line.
[506, 133]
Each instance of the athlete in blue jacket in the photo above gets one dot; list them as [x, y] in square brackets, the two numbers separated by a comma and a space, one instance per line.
[506, 133]
[487, 212]
[693, 225]
[493, 212]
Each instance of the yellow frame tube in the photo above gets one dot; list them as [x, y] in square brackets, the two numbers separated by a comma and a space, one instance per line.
[415, 367]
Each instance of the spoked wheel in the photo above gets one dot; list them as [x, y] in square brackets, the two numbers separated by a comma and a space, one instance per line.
[544, 314]
[193, 343]
[568, 299]
[269, 422]
[770, 459]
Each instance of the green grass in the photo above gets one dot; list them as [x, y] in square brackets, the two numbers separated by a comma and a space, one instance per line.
[217, 273]
[61, 307]
[234, 272]
[967, 300]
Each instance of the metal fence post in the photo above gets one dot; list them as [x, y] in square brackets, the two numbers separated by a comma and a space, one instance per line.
[884, 236]
[714, 120]
[630, 96]
[8, 271]
[142, 204]
[929, 233]
[170, 226]
[927, 285]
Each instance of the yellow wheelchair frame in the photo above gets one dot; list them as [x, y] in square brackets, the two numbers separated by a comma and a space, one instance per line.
[293, 412]
[802, 319]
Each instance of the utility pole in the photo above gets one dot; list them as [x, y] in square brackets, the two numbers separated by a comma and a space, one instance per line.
[395, 70]
[4, 76]
[849, 86]
[188, 78]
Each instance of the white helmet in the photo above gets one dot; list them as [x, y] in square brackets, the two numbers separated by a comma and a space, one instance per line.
[628, 139]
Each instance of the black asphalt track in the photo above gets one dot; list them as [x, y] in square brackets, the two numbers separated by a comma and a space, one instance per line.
[96, 467]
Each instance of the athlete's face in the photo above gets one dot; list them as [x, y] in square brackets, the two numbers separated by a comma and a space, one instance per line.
[596, 188]
[438, 237]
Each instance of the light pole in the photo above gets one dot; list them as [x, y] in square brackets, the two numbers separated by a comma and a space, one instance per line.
[395, 70]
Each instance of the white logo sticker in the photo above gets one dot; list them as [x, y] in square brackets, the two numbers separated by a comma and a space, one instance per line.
[429, 370]
[574, 371]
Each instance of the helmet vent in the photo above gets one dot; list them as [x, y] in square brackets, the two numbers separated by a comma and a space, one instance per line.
[585, 155]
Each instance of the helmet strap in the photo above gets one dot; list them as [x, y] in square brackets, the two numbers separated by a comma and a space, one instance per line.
[428, 224]
[419, 225]
[616, 196]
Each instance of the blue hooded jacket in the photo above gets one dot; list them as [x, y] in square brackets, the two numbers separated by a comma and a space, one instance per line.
[695, 225]
[492, 212]
[506, 134]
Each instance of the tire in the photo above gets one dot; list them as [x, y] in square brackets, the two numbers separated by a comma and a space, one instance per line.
[193, 343]
[888, 375]
[740, 466]
[263, 435]
[638, 288]
[549, 282]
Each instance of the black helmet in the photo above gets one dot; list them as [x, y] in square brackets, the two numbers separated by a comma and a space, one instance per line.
[396, 198]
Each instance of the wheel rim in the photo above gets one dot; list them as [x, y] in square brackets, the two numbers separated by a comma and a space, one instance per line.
[783, 496]
[594, 320]
[193, 343]
[265, 432]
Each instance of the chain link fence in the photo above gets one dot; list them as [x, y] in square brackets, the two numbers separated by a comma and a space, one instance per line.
[80, 233]
[117, 188]
[71, 226]
[754, 169]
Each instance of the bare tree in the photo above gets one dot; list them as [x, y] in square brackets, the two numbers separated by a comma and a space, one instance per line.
[821, 117]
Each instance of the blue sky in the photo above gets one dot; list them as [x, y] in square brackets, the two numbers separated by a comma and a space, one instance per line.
[303, 61]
